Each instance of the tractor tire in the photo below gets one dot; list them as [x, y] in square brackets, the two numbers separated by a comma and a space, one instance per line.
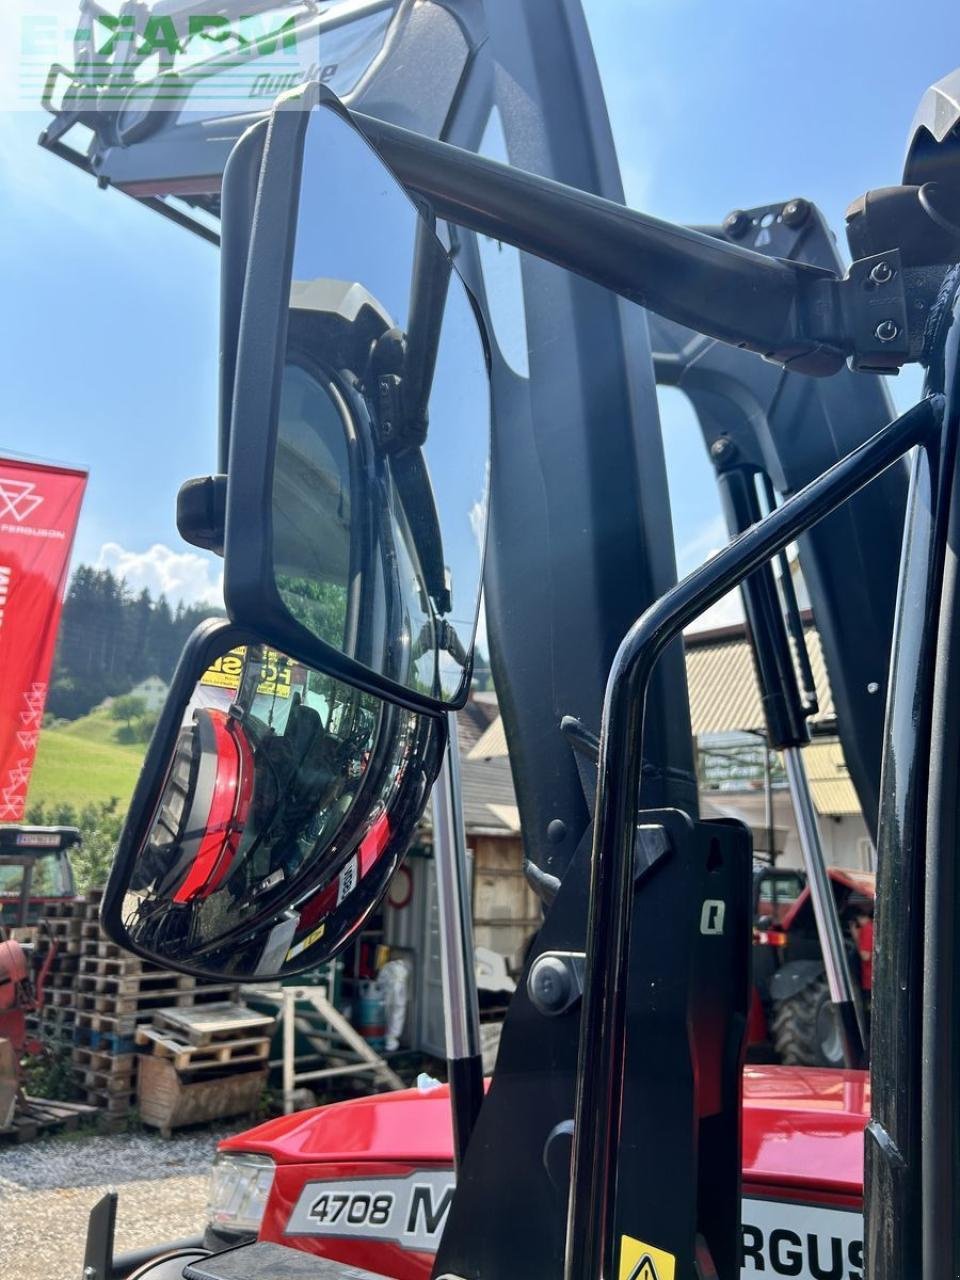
[804, 1028]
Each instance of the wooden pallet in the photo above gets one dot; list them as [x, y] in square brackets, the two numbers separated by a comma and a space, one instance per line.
[98, 1085]
[103, 1062]
[161, 981]
[91, 904]
[36, 1116]
[64, 910]
[54, 1019]
[115, 1106]
[122, 965]
[66, 934]
[109, 1029]
[144, 1002]
[207, 1024]
[246, 1051]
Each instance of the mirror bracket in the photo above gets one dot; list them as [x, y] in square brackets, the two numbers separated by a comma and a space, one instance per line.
[397, 430]
[202, 512]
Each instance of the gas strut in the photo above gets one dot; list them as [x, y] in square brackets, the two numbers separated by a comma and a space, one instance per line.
[786, 712]
[455, 920]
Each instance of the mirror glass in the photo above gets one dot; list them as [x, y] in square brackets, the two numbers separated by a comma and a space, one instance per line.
[380, 462]
[287, 802]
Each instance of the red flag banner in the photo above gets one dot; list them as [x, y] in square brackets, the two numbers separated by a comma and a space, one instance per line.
[39, 507]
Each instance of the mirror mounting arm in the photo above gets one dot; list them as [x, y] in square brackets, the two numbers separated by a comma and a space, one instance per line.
[800, 316]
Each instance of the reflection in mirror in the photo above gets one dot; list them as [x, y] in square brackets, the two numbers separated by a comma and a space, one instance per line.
[381, 456]
[288, 801]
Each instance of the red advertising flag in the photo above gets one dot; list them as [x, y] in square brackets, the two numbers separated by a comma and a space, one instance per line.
[39, 507]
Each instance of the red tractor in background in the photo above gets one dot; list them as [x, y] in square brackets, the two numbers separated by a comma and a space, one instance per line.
[791, 1007]
[35, 872]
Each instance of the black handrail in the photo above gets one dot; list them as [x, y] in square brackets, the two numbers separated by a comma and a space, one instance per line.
[590, 1253]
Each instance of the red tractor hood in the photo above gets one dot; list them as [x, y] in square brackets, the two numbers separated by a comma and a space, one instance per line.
[802, 1132]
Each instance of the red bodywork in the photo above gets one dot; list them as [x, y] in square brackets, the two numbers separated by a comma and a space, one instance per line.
[229, 807]
[21, 993]
[802, 1144]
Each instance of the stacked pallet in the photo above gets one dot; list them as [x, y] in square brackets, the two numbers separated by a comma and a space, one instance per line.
[54, 1024]
[202, 1063]
[112, 994]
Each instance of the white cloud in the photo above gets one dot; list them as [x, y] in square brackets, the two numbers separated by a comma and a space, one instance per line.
[179, 575]
[703, 543]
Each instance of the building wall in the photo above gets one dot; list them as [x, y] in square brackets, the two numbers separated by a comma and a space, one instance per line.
[506, 911]
[844, 836]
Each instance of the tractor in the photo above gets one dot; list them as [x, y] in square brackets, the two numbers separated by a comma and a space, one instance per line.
[791, 1005]
[369, 421]
[35, 872]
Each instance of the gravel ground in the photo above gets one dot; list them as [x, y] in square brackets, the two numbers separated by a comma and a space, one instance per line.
[47, 1189]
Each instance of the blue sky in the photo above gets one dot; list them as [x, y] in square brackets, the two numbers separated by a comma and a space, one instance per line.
[110, 315]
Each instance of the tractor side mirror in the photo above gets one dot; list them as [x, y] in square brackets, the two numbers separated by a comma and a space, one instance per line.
[360, 426]
[274, 806]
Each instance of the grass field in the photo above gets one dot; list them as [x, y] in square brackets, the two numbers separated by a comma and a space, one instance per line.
[81, 763]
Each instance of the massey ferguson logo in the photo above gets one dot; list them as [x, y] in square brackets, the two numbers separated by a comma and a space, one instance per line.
[18, 498]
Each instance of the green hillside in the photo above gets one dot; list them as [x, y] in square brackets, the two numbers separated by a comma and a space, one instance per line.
[98, 726]
[81, 763]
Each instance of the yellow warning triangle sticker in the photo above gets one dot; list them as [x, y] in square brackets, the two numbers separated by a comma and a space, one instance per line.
[641, 1261]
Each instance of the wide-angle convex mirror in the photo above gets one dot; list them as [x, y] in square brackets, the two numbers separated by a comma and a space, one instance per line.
[360, 424]
[274, 805]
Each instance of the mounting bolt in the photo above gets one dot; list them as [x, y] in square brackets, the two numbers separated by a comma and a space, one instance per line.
[873, 687]
[735, 224]
[795, 212]
[723, 451]
[882, 273]
[886, 331]
[555, 981]
[550, 985]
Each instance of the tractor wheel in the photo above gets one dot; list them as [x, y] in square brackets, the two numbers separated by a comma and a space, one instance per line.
[805, 1029]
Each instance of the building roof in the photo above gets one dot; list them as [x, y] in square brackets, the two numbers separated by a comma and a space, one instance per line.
[489, 800]
[491, 743]
[724, 695]
[830, 784]
[724, 698]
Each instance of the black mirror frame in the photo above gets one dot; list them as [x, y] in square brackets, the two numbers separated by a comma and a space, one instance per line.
[208, 642]
[250, 592]
[202, 648]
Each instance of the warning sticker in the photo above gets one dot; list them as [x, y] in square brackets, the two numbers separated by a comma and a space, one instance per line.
[308, 941]
[226, 671]
[641, 1261]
